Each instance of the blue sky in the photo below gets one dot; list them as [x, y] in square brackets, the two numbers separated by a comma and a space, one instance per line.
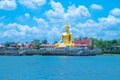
[25, 20]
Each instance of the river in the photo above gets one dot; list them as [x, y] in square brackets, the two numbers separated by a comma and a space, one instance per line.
[59, 68]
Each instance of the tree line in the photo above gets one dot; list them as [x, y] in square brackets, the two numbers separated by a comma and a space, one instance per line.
[104, 44]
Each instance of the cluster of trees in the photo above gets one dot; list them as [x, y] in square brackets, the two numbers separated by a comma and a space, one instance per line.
[104, 44]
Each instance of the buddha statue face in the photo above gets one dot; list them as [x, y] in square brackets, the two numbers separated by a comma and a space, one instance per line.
[66, 28]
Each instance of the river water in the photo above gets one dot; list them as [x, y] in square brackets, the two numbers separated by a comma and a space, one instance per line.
[59, 68]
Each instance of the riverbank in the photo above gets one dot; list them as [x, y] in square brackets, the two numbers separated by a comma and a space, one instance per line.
[108, 55]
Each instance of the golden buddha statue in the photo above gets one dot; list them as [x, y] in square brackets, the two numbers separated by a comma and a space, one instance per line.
[66, 39]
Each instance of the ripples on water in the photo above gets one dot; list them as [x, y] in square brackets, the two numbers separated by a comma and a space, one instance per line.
[59, 68]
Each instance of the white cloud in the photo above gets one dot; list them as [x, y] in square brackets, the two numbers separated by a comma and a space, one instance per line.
[11, 33]
[88, 28]
[23, 17]
[8, 4]
[96, 7]
[58, 14]
[21, 28]
[110, 20]
[89, 23]
[11, 26]
[42, 24]
[115, 12]
[54, 34]
[18, 32]
[77, 12]
[49, 32]
[27, 15]
[32, 3]
[105, 28]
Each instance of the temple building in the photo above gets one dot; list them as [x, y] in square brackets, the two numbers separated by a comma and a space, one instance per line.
[82, 42]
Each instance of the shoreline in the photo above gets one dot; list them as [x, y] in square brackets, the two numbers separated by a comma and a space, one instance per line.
[108, 55]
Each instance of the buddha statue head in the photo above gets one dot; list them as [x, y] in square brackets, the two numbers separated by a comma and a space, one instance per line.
[67, 28]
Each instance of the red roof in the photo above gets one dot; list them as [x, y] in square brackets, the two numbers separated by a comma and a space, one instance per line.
[47, 45]
[26, 45]
[83, 41]
[33, 45]
[83, 45]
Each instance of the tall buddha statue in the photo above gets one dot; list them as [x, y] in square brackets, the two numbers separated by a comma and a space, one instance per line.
[66, 39]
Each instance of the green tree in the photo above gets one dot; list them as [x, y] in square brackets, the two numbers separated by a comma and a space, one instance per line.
[37, 43]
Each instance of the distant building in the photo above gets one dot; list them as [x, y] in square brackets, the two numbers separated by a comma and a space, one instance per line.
[114, 48]
[47, 46]
[13, 45]
[82, 42]
[2, 46]
[32, 46]
[26, 45]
